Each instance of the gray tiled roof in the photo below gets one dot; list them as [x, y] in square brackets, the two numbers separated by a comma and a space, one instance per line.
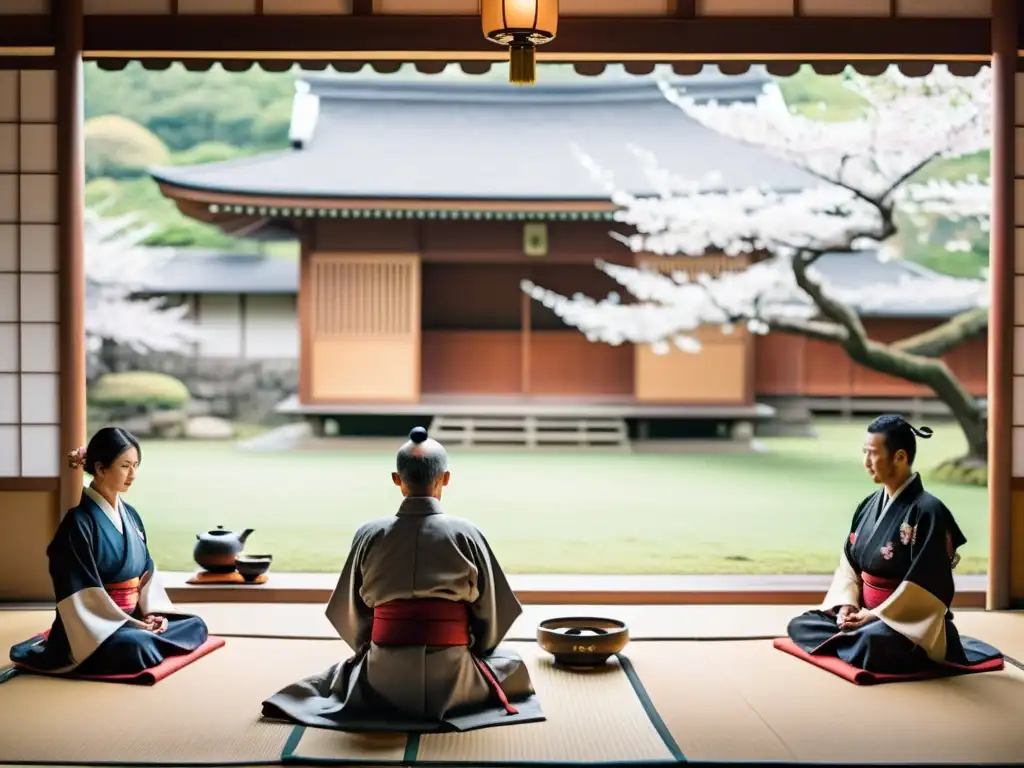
[864, 270]
[215, 272]
[195, 271]
[450, 139]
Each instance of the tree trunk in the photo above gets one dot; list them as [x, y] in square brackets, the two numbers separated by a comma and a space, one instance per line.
[970, 416]
[937, 376]
[108, 356]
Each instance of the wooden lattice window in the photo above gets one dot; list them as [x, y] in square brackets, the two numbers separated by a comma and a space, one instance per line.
[364, 296]
[712, 266]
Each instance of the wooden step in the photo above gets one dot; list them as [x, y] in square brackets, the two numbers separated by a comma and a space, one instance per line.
[530, 431]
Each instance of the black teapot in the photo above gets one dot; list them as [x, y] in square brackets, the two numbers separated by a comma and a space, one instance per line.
[215, 551]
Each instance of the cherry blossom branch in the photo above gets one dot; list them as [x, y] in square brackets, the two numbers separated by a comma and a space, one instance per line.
[937, 341]
[812, 329]
[867, 165]
[116, 264]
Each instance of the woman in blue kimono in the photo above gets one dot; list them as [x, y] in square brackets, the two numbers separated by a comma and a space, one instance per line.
[113, 616]
[888, 608]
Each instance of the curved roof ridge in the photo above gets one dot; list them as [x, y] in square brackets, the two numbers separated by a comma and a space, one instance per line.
[168, 174]
[600, 88]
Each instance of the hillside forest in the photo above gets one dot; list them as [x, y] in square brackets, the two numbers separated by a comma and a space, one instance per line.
[136, 118]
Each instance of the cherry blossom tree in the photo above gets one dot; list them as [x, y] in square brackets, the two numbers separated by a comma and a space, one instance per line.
[116, 263]
[865, 169]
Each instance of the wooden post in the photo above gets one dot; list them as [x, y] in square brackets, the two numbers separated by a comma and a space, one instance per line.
[1001, 264]
[67, 16]
[526, 327]
[304, 309]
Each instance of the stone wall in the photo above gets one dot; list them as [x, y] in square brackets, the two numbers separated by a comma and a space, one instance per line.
[228, 388]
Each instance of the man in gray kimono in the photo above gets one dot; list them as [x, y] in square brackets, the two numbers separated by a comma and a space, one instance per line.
[423, 603]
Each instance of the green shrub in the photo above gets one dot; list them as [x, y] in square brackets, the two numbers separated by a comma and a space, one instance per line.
[139, 389]
[957, 473]
[120, 148]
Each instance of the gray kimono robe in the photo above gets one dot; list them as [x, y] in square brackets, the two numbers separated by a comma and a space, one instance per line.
[419, 553]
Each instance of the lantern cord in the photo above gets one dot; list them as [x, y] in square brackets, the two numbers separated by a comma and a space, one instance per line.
[522, 64]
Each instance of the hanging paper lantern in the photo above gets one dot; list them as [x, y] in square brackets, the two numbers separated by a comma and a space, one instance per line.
[522, 25]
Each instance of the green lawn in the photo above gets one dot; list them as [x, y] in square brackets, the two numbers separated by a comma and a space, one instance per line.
[785, 511]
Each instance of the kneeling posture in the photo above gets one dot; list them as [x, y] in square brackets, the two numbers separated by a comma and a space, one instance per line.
[113, 616]
[887, 610]
[423, 603]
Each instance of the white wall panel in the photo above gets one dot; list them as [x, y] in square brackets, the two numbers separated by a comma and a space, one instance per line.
[220, 326]
[271, 327]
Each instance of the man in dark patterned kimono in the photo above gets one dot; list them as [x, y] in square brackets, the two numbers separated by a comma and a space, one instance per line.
[887, 610]
[424, 604]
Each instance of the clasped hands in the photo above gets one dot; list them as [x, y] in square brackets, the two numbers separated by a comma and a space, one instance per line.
[155, 624]
[850, 618]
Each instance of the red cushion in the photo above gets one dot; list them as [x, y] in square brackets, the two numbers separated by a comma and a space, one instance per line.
[862, 677]
[150, 676]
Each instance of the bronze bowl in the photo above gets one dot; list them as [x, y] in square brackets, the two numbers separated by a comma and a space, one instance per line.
[582, 641]
[253, 566]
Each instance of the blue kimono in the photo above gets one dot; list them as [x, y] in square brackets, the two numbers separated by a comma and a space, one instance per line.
[897, 562]
[105, 582]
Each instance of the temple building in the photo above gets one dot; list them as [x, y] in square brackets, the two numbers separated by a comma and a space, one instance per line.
[421, 204]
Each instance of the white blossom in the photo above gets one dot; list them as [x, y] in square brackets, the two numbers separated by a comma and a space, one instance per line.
[864, 166]
[116, 264]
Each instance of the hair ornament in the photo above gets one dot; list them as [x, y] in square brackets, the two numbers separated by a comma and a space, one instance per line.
[76, 458]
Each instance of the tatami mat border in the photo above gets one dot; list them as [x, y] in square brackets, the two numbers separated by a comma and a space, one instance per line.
[413, 740]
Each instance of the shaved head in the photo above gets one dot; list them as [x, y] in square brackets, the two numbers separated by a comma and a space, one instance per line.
[421, 463]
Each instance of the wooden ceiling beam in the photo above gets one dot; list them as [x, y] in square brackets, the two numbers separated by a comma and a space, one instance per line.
[623, 38]
[613, 38]
[24, 31]
[362, 7]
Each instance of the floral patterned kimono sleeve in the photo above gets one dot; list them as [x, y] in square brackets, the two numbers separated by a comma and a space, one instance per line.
[918, 606]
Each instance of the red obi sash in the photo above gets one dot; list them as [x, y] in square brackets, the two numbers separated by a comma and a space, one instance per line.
[876, 590]
[440, 623]
[125, 594]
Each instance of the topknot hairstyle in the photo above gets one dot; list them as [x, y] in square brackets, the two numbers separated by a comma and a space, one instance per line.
[899, 434]
[421, 461]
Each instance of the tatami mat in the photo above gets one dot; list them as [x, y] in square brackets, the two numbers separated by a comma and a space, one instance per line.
[16, 626]
[592, 718]
[719, 701]
[1002, 629]
[208, 712]
[818, 716]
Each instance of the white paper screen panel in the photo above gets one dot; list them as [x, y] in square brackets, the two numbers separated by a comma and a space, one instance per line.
[29, 310]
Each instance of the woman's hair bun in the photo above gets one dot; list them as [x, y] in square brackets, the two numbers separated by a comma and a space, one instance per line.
[418, 435]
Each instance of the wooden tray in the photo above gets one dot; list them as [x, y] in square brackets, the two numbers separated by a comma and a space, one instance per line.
[205, 577]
